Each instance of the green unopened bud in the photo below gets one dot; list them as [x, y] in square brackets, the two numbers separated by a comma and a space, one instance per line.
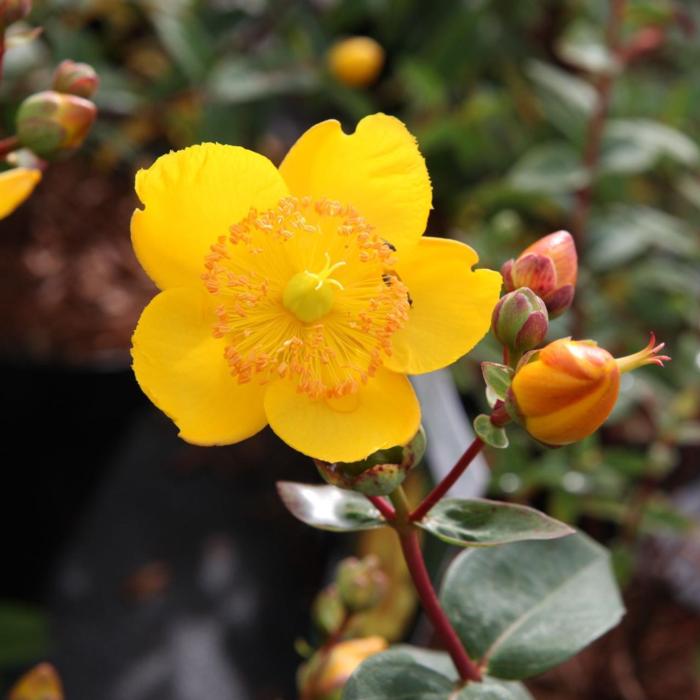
[327, 610]
[13, 11]
[379, 474]
[75, 79]
[51, 123]
[520, 321]
[361, 583]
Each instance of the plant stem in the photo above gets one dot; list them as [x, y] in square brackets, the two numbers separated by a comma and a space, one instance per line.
[444, 486]
[596, 125]
[7, 145]
[382, 506]
[410, 546]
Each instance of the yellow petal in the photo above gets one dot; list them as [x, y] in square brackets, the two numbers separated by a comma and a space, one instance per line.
[15, 186]
[192, 197]
[384, 413]
[181, 368]
[451, 305]
[378, 170]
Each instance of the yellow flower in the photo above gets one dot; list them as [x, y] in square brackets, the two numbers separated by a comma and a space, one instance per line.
[356, 61]
[570, 387]
[15, 186]
[300, 297]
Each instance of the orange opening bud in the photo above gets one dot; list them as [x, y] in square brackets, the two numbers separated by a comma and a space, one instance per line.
[548, 267]
[520, 321]
[356, 61]
[567, 390]
[41, 682]
[75, 79]
[50, 123]
[13, 11]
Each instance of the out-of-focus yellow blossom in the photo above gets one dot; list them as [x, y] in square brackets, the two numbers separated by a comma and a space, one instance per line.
[15, 186]
[41, 683]
[570, 387]
[300, 297]
[342, 660]
[356, 61]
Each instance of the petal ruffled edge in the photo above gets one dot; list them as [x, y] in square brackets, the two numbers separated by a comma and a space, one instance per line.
[378, 170]
[191, 197]
[181, 368]
[451, 305]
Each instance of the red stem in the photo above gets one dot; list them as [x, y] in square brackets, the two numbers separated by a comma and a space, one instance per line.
[444, 486]
[382, 506]
[467, 669]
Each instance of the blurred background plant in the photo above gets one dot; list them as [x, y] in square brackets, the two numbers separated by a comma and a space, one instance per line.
[533, 117]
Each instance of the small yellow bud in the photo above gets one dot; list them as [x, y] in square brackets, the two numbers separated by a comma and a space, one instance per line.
[568, 389]
[356, 61]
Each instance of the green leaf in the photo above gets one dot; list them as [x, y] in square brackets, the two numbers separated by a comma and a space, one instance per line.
[23, 634]
[636, 145]
[551, 167]
[491, 434]
[329, 508]
[583, 46]
[498, 377]
[624, 232]
[408, 673]
[484, 523]
[525, 607]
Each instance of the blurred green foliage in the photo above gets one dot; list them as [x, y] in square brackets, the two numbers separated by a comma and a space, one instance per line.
[499, 95]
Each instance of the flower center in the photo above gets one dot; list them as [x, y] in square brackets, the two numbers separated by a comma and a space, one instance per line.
[309, 295]
[306, 292]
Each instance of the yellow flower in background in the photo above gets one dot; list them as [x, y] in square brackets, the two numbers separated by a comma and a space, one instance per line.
[356, 61]
[300, 297]
[570, 388]
[16, 185]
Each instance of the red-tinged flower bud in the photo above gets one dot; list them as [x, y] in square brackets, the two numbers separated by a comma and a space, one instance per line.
[565, 391]
[361, 583]
[13, 11]
[548, 267]
[51, 123]
[75, 79]
[379, 474]
[520, 321]
[356, 61]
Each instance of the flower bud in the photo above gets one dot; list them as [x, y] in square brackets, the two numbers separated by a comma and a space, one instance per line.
[520, 321]
[356, 61]
[13, 11]
[75, 79]
[328, 610]
[549, 268]
[50, 123]
[565, 391]
[361, 583]
[328, 672]
[379, 474]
